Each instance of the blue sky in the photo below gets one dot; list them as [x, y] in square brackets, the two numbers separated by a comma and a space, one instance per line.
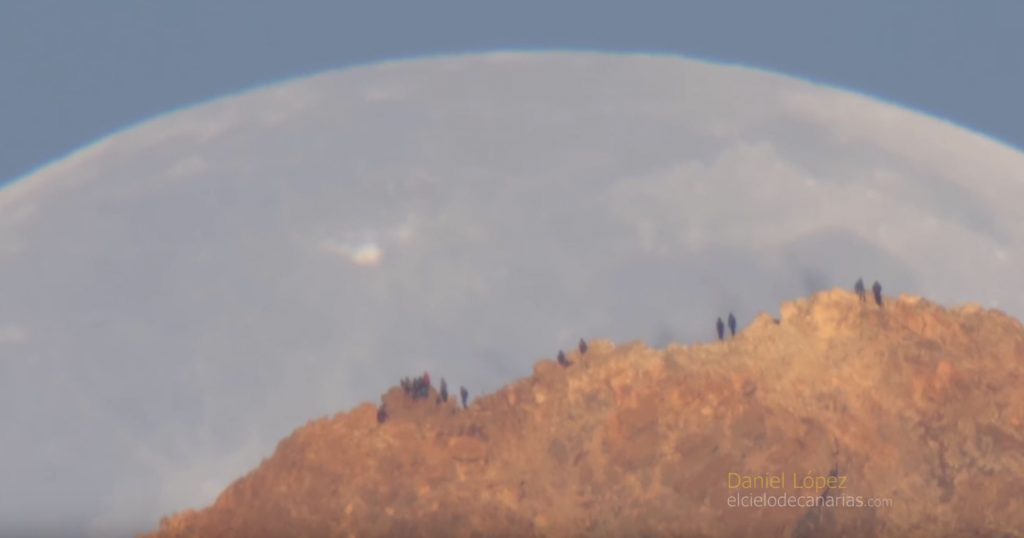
[74, 71]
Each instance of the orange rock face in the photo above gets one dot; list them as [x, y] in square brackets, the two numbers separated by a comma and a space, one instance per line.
[859, 421]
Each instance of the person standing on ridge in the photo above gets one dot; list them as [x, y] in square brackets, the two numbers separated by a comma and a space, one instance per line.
[877, 290]
[382, 414]
[721, 329]
[464, 394]
[583, 347]
[859, 288]
[562, 360]
[732, 324]
[444, 390]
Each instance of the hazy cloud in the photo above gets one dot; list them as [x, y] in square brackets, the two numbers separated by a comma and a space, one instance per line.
[366, 253]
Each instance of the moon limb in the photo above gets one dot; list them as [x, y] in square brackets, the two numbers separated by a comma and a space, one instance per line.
[178, 323]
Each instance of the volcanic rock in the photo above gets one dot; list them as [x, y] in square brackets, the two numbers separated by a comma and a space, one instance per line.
[916, 408]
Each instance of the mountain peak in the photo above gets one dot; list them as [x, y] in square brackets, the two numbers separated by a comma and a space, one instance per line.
[914, 407]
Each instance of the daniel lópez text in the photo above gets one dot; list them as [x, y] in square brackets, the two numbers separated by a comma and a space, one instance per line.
[796, 490]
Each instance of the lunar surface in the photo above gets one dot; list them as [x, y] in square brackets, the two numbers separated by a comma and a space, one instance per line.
[177, 297]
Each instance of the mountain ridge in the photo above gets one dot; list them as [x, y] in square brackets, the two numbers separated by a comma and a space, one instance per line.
[911, 404]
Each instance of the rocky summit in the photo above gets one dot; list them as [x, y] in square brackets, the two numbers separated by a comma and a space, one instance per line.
[838, 418]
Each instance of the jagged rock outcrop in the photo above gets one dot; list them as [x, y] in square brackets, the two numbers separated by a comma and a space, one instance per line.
[911, 403]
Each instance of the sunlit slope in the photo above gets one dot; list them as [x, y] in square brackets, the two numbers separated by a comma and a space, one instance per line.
[910, 406]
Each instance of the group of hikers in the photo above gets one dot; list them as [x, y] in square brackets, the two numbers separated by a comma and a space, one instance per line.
[564, 362]
[419, 387]
[720, 326]
[876, 289]
[858, 287]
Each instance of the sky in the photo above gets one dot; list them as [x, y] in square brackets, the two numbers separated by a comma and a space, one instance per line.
[73, 72]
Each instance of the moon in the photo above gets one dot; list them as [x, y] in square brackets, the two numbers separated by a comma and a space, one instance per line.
[180, 295]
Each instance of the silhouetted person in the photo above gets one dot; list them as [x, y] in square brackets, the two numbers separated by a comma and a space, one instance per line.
[426, 380]
[583, 347]
[464, 394]
[562, 360]
[732, 324]
[877, 290]
[859, 288]
[721, 329]
[444, 390]
[382, 414]
[420, 389]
